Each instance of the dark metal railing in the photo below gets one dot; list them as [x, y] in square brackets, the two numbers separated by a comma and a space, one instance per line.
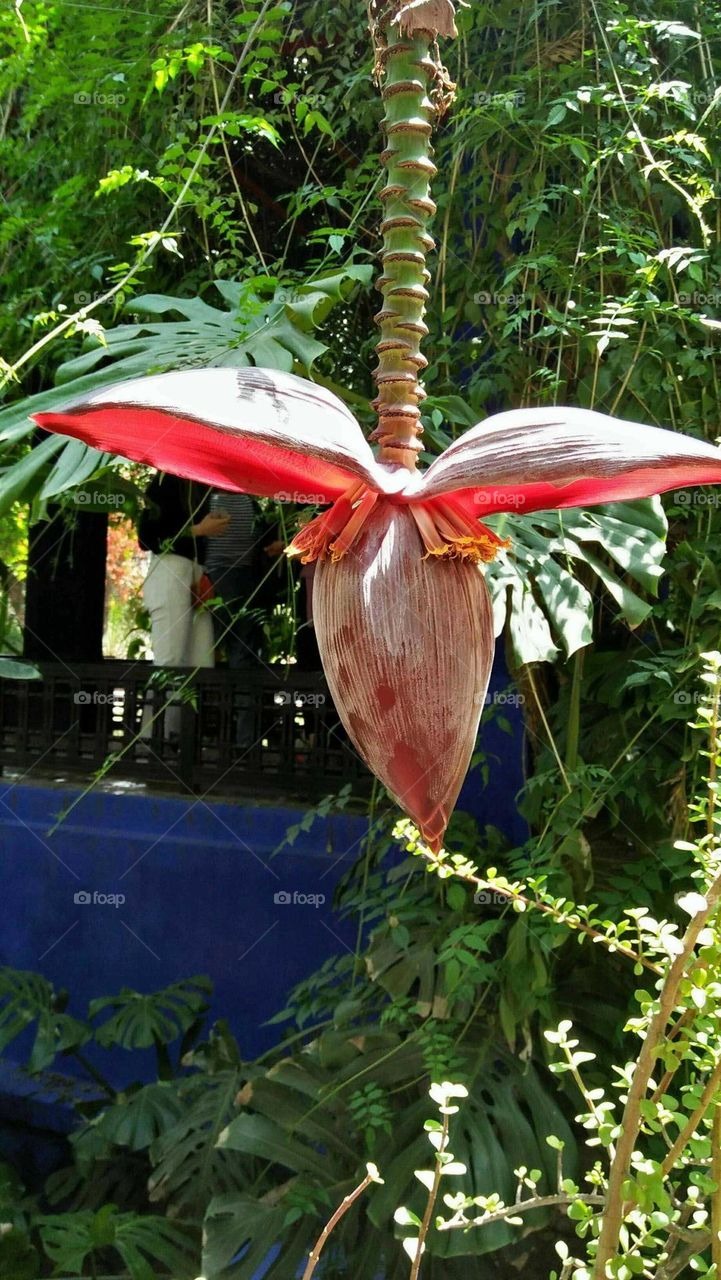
[267, 731]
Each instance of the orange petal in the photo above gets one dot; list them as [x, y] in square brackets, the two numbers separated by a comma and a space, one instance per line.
[313, 541]
[407, 647]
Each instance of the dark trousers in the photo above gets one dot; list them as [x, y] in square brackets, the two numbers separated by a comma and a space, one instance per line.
[234, 584]
[239, 634]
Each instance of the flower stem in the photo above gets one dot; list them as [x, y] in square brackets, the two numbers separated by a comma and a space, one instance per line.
[416, 90]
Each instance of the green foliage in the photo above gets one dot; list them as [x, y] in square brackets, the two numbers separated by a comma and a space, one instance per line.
[261, 323]
[97, 1235]
[577, 262]
[71, 1239]
[547, 586]
[10, 669]
[654, 1184]
[27, 998]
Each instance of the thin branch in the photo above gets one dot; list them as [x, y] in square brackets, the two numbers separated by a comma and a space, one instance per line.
[716, 1195]
[342, 1209]
[547, 727]
[432, 1197]
[678, 1264]
[228, 159]
[525, 1206]
[693, 1122]
[631, 1122]
[514, 895]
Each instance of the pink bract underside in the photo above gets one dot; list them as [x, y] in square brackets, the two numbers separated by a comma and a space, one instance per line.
[270, 469]
[407, 647]
[208, 454]
[534, 459]
[277, 435]
[257, 430]
[483, 500]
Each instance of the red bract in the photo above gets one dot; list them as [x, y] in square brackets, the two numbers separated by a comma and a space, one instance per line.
[407, 646]
[402, 610]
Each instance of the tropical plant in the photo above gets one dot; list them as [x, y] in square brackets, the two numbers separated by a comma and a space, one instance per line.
[578, 261]
[409, 686]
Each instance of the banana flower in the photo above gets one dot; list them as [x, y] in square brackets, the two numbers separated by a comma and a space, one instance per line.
[402, 610]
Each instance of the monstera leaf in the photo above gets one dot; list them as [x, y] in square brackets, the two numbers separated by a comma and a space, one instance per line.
[557, 566]
[138, 1021]
[27, 998]
[188, 1168]
[71, 1240]
[140, 1115]
[258, 322]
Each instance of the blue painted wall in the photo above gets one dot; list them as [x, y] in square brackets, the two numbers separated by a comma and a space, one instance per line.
[199, 887]
[179, 887]
[196, 891]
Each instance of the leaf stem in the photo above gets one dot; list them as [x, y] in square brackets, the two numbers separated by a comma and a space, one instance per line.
[574, 712]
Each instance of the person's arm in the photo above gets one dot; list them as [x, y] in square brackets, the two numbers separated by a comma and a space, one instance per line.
[165, 519]
[204, 522]
[211, 526]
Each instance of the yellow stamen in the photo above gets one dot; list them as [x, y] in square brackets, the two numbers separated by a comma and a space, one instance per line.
[449, 533]
[446, 531]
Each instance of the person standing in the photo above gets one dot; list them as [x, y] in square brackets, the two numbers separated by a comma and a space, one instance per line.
[231, 565]
[173, 528]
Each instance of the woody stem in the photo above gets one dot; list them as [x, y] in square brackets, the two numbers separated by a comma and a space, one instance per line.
[408, 72]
